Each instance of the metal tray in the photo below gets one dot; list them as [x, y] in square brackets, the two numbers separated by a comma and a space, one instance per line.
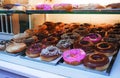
[54, 62]
[11, 54]
[82, 67]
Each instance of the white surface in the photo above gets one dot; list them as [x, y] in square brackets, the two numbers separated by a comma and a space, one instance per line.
[25, 67]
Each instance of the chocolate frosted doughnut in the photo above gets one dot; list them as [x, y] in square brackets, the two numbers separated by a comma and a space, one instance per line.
[50, 40]
[106, 48]
[87, 46]
[96, 61]
[73, 36]
[34, 50]
[81, 30]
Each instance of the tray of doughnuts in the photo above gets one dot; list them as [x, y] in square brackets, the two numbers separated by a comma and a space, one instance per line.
[91, 53]
[44, 54]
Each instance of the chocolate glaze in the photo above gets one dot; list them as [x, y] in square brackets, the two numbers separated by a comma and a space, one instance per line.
[95, 60]
[104, 47]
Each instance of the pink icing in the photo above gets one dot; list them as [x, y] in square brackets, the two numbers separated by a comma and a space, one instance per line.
[74, 55]
[94, 39]
[44, 6]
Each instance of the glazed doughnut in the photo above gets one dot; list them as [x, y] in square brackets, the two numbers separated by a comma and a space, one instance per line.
[64, 44]
[15, 47]
[93, 37]
[34, 50]
[106, 48]
[96, 61]
[62, 6]
[30, 32]
[50, 40]
[50, 53]
[43, 7]
[20, 37]
[87, 46]
[74, 56]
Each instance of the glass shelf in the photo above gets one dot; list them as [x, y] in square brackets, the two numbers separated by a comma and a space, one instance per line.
[87, 11]
[105, 11]
[11, 11]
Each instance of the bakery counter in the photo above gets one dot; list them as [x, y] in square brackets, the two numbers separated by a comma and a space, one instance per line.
[34, 69]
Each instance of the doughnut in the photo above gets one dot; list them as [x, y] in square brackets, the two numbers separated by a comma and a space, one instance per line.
[2, 45]
[70, 35]
[42, 35]
[8, 6]
[113, 5]
[93, 37]
[34, 50]
[64, 44]
[30, 32]
[31, 40]
[62, 6]
[43, 7]
[96, 61]
[87, 46]
[50, 53]
[90, 6]
[50, 25]
[20, 37]
[82, 31]
[74, 56]
[50, 40]
[15, 47]
[106, 48]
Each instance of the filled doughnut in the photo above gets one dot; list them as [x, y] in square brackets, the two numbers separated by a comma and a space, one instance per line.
[16, 47]
[96, 61]
[50, 53]
[93, 37]
[106, 48]
[74, 56]
[34, 50]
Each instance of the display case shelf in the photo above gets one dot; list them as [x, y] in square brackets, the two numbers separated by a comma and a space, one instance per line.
[86, 11]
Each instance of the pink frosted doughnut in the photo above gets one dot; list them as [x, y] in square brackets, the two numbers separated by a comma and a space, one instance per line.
[93, 37]
[74, 56]
[43, 7]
